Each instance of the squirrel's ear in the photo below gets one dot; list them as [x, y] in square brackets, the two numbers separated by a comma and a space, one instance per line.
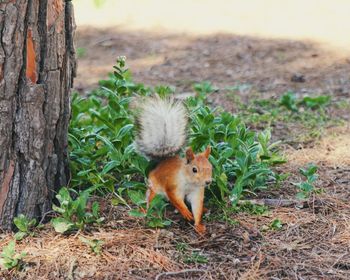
[207, 151]
[189, 155]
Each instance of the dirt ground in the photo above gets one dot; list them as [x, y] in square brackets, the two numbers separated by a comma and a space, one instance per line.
[265, 65]
[314, 241]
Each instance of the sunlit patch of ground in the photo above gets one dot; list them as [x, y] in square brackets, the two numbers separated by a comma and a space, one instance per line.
[332, 150]
[325, 21]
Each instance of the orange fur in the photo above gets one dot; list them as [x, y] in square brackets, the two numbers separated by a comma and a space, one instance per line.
[180, 178]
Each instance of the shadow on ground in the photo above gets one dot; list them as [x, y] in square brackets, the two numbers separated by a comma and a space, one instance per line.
[267, 66]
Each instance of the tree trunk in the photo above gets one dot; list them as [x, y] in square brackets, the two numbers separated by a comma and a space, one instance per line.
[37, 66]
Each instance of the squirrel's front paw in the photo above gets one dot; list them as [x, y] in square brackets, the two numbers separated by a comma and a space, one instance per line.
[187, 215]
[201, 229]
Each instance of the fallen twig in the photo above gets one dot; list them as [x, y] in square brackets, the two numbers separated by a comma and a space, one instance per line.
[275, 202]
[44, 216]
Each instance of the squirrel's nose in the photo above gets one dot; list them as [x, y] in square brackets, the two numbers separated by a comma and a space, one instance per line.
[207, 183]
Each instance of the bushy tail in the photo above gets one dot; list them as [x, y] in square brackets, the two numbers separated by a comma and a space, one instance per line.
[161, 126]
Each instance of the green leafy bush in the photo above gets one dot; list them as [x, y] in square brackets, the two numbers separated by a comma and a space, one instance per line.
[238, 155]
[100, 137]
[103, 156]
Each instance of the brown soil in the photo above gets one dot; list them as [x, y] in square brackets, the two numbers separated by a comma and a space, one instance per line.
[313, 242]
[264, 65]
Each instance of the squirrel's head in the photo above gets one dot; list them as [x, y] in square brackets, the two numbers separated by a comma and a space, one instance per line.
[198, 167]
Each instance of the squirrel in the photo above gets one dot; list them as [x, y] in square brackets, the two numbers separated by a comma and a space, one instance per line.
[161, 133]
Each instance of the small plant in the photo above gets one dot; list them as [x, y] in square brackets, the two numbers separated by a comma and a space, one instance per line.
[248, 170]
[190, 256]
[74, 212]
[276, 224]
[307, 187]
[289, 101]
[225, 213]
[24, 226]
[9, 258]
[307, 114]
[316, 102]
[154, 215]
[280, 178]
[268, 152]
[181, 247]
[203, 89]
[195, 257]
[253, 209]
[94, 244]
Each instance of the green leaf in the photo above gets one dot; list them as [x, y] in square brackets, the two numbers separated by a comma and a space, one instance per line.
[20, 235]
[9, 250]
[125, 130]
[167, 223]
[84, 173]
[137, 213]
[95, 209]
[316, 102]
[63, 195]
[107, 142]
[276, 224]
[306, 187]
[301, 195]
[58, 209]
[136, 197]
[21, 222]
[110, 165]
[32, 223]
[228, 152]
[61, 225]
[289, 101]
[155, 223]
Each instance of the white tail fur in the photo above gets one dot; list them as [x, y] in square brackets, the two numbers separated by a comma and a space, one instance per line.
[162, 125]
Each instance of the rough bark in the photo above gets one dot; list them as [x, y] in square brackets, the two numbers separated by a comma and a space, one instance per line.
[37, 66]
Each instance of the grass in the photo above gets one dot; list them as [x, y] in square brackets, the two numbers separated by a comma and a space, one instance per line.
[309, 115]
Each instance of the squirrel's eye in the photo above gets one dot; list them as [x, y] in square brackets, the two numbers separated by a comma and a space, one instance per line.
[194, 169]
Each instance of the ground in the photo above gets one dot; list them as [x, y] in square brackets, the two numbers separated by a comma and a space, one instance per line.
[311, 240]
